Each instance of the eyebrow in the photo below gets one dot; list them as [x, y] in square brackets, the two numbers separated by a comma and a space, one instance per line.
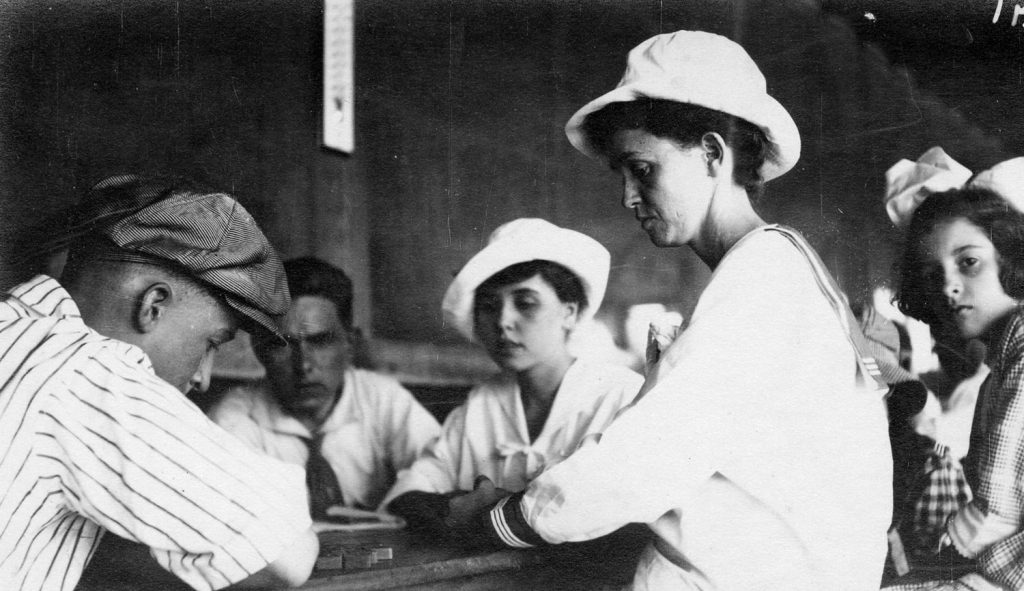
[960, 249]
[481, 298]
[616, 161]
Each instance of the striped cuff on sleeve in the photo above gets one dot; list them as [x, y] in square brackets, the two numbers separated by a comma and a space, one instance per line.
[509, 525]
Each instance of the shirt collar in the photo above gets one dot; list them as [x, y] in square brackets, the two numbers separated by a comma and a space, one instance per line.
[345, 411]
[567, 399]
[47, 297]
[286, 424]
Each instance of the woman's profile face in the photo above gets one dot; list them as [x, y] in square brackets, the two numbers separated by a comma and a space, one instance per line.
[668, 187]
[523, 324]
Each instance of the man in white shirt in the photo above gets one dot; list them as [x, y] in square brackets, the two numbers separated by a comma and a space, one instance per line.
[352, 428]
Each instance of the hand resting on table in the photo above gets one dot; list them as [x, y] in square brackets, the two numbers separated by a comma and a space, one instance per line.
[464, 509]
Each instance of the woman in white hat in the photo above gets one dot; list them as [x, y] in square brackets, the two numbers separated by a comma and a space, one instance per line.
[757, 450]
[520, 297]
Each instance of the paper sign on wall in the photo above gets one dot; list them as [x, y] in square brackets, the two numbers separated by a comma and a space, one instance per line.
[339, 114]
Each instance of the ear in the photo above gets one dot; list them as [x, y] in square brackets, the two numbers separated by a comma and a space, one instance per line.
[356, 349]
[152, 306]
[353, 338]
[572, 315]
[359, 341]
[715, 151]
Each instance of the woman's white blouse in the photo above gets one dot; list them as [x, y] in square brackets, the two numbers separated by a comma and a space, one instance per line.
[487, 435]
[752, 451]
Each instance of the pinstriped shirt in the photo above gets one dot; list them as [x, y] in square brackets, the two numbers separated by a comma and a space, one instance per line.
[93, 441]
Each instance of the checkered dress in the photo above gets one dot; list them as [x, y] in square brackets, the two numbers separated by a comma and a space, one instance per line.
[971, 582]
[944, 492]
[995, 463]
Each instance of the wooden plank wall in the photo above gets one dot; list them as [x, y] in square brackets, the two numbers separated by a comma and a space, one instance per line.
[460, 106]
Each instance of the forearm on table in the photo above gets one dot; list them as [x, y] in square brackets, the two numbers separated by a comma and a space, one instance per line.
[506, 524]
[423, 511]
[291, 569]
[623, 477]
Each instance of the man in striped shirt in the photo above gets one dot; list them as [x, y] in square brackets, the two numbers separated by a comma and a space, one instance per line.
[97, 432]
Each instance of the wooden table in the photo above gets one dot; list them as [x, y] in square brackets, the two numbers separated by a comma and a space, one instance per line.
[418, 564]
[415, 564]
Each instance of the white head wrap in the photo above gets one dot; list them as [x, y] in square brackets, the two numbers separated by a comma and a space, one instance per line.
[908, 183]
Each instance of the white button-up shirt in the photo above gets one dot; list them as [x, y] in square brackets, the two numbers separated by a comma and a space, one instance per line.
[376, 429]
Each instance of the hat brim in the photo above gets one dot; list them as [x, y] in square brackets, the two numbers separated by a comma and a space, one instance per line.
[763, 111]
[582, 255]
[256, 322]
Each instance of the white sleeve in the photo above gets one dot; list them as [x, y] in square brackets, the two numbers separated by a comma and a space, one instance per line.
[436, 468]
[151, 468]
[411, 428]
[716, 393]
[233, 413]
[668, 442]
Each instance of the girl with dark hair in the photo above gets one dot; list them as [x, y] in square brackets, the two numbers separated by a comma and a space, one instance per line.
[963, 268]
[521, 298]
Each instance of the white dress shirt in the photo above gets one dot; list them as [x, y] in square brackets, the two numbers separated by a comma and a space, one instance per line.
[376, 429]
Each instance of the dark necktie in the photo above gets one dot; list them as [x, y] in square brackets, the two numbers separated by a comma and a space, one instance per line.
[321, 480]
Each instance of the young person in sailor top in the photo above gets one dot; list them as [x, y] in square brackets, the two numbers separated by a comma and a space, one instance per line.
[521, 297]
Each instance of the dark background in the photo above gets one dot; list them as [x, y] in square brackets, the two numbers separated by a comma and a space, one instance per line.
[460, 107]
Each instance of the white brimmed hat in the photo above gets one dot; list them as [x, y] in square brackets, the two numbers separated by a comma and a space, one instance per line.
[521, 241]
[703, 69]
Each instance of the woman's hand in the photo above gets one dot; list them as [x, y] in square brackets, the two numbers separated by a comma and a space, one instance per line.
[464, 509]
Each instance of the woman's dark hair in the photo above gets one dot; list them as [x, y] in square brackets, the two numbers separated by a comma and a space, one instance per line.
[314, 277]
[685, 124]
[1003, 224]
[567, 285]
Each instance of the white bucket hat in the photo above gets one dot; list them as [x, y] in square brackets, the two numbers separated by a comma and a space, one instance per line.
[520, 241]
[702, 69]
